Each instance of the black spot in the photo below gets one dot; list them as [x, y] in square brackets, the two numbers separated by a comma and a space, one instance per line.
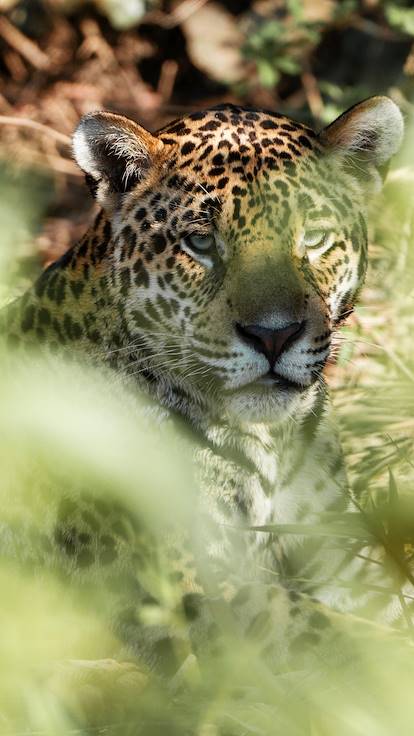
[318, 620]
[159, 243]
[169, 141]
[191, 605]
[77, 287]
[198, 115]
[142, 277]
[125, 278]
[218, 159]
[177, 127]
[164, 653]
[155, 199]
[72, 329]
[305, 141]
[211, 125]
[160, 214]
[140, 214]
[238, 191]
[85, 558]
[84, 538]
[66, 540]
[28, 319]
[269, 125]
[217, 171]
[222, 182]
[205, 153]
[187, 147]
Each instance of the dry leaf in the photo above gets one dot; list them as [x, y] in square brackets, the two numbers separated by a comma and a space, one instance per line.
[213, 43]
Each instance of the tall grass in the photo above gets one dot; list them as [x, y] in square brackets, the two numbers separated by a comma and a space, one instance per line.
[74, 425]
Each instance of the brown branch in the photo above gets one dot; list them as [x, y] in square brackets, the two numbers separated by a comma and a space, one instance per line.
[313, 95]
[167, 79]
[25, 46]
[178, 16]
[28, 123]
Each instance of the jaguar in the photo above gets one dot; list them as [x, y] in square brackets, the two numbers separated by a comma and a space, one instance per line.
[228, 249]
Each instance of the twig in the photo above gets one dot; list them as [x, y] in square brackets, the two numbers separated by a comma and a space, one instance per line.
[25, 46]
[313, 95]
[167, 79]
[28, 123]
[179, 15]
[64, 166]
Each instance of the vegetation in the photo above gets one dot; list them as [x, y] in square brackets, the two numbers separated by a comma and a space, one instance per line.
[311, 60]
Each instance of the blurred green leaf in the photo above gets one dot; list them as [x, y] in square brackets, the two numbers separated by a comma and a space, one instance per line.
[123, 14]
[400, 18]
[353, 529]
[268, 75]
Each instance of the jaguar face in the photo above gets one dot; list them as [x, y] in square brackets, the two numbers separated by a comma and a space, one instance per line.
[240, 244]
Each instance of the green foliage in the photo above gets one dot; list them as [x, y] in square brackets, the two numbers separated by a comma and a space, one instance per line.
[124, 14]
[279, 46]
[343, 9]
[23, 200]
[401, 18]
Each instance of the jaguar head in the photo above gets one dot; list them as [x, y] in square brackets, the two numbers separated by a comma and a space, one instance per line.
[239, 244]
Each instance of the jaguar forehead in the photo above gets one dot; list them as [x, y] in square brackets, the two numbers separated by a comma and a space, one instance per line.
[229, 135]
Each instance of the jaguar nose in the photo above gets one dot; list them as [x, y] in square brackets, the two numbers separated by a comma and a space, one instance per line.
[271, 343]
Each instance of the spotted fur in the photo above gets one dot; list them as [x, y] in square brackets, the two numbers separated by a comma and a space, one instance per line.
[201, 282]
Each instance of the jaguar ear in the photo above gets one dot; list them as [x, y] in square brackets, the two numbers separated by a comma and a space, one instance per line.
[115, 153]
[365, 137]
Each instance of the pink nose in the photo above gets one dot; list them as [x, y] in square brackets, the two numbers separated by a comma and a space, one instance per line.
[271, 343]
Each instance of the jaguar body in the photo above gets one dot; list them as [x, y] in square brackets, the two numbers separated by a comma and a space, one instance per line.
[229, 248]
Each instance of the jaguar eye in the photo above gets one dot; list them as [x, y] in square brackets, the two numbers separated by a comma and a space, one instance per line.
[314, 239]
[200, 247]
[200, 243]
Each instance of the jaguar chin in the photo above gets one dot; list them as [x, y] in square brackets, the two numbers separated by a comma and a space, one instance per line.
[269, 400]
